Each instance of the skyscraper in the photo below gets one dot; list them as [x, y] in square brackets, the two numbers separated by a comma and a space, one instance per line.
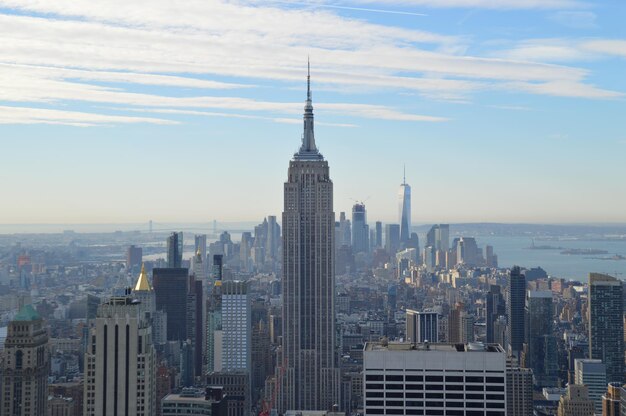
[422, 326]
[540, 352]
[575, 402]
[496, 307]
[379, 234]
[606, 328]
[200, 243]
[404, 210]
[308, 369]
[360, 229]
[593, 374]
[171, 287]
[392, 238]
[120, 362]
[25, 366]
[175, 250]
[515, 307]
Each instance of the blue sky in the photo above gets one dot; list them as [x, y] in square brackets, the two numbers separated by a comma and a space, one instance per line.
[506, 111]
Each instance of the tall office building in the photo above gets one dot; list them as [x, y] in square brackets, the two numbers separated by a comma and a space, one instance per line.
[515, 307]
[360, 229]
[171, 287]
[422, 326]
[593, 374]
[25, 366]
[175, 250]
[496, 307]
[540, 352]
[606, 327]
[434, 379]
[467, 328]
[519, 391]
[454, 323]
[392, 238]
[439, 237]
[575, 402]
[404, 211]
[144, 293]
[236, 326]
[120, 362]
[379, 234]
[308, 369]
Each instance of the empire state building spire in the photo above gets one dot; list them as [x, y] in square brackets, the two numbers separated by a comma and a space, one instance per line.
[308, 150]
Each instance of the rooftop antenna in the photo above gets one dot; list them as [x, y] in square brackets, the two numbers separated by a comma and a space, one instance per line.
[404, 175]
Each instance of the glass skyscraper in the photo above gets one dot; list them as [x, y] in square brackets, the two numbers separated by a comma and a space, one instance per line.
[404, 211]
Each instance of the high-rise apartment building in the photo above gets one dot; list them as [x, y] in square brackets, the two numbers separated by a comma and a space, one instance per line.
[434, 379]
[236, 327]
[606, 325]
[308, 368]
[25, 366]
[175, 250]
[171, 287]
[120, 362]
[540, 352]
[515, 308]
[592, 373]
[404, 211]
[575, 402]
[360, 229]
[422, 326]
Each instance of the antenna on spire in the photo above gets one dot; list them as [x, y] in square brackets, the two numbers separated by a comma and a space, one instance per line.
[404, 175]
[308, 78]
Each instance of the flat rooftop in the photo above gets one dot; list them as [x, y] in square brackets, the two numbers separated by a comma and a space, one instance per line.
[445, 347]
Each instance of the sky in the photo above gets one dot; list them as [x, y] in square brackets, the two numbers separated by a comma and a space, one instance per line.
[125, 111]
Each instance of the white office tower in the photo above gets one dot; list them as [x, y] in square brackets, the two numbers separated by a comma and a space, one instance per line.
[404, 211]
[120, 366]
[308, 369]
[592, 373]
[422, 326]
[236, 327]
[434, 379]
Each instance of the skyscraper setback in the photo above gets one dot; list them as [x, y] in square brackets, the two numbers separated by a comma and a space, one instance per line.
[308, 375]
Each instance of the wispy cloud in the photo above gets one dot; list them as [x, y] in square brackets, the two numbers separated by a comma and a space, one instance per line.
[71, 51]
[575, 19]
[29, 115]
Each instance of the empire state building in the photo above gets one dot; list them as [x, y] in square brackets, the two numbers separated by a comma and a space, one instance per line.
[308, 377]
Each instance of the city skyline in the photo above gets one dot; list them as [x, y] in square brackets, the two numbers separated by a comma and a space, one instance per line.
[528, 107]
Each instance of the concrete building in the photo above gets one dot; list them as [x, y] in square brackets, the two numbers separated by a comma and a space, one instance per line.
[591, 373]
[193, 402]
[576, 402]
[120, 362]
[308, 366]
[236, 327]
[606, 325]
[25, 366]
[612, 399]
[519, 391]
[434, 379]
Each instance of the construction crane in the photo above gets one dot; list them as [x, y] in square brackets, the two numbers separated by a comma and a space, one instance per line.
[268, 406]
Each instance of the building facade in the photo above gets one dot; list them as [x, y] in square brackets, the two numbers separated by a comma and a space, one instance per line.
[120, 362]
[434, 379]
[308, 367]
[25, 367]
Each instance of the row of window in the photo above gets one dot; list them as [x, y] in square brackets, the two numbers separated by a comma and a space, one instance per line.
[418, 403]
[434, 387]
[434, 412]
[413, 395]
[448, 379]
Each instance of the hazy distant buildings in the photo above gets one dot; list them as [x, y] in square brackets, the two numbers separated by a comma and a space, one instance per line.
[120, 362]
[516, 295]
[496, 307]
[404, 211]
[360, 229]
[308, 367]
[175, 250]
[379, 234]
[606, 325]
[200, 244]
[134, 256]
[392, 238]
[25, 366]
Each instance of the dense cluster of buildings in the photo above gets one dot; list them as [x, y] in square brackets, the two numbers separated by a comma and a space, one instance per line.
[315, 316]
